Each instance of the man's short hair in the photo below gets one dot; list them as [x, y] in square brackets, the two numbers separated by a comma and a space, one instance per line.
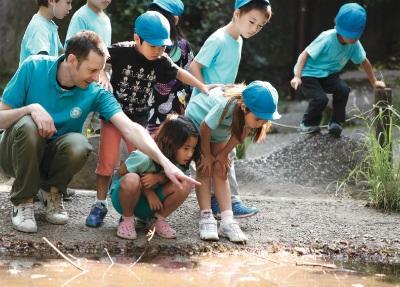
[82, 43]
[44, 3]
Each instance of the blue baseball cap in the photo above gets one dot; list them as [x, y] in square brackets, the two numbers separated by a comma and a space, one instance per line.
[261, 98]
[175, 7]
[240, 3]
[153, 28]
[351, 20]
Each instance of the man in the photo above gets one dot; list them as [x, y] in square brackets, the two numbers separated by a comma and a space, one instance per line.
[43, 109]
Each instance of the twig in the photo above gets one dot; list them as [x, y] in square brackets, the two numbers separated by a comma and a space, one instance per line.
[73, 278]
[112, 261]
[150, 236]
[62, 254]
[73, 257]
[262, 257]
[330, 266]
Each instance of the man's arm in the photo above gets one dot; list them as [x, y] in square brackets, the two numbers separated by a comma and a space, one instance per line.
[138, 136]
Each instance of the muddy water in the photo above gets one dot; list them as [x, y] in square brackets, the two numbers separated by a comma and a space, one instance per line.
[250, 270]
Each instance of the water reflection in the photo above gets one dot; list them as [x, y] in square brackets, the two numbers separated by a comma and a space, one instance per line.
[224, 270]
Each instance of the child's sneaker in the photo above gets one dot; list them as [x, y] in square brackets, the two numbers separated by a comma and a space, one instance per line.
[309, 129]
[232, 231]
[208, 229]
[240, 210]
[163, 229]
[335, 129]
[126, 229]
[96, 215]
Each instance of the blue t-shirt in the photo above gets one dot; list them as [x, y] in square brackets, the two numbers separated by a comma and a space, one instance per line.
[35, 82]
[86, 19]
[41, 35]
[220, 57]
[328, 56]
[209, 109]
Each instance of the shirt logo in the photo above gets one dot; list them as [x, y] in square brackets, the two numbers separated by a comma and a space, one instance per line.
[75, 112]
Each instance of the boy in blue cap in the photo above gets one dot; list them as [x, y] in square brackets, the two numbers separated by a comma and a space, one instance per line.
[218, 63]
[318, 66]
[136, 68]
[41, 35]
[224, 118]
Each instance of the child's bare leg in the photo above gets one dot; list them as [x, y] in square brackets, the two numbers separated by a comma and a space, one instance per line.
[174, 197]
[102, 184]
[129, 193]
[203, 193]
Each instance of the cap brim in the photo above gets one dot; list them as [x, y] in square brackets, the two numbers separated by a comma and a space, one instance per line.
[159, 42]
[348, 34]
[268, 116]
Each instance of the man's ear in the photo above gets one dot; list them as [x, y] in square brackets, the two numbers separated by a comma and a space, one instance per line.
[72, 59]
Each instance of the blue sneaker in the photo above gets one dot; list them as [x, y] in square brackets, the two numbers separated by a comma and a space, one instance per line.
[215, 208]
[335, 129]
[240, 210]
[96, 215]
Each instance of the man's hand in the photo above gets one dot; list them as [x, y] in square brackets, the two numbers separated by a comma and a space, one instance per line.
[43, 120]
[295, 82]
[176, 175]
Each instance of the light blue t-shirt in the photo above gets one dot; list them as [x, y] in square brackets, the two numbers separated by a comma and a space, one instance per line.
[41, 35]
[328, 56]
[86, 19]
[220, 57]
[35, 82]
[209, 109]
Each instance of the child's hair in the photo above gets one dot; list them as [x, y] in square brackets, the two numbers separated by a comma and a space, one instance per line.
[234, 93]
[44, 3]
[172, 135]
[175, 31]
[260, 5]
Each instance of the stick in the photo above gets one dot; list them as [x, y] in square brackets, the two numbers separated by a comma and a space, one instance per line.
[62, 254]
[112, 262]
[330, 266]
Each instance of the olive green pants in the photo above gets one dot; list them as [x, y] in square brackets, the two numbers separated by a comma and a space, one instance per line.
[36, 163]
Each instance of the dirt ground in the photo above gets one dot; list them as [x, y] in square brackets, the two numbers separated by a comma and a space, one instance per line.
[291, 179]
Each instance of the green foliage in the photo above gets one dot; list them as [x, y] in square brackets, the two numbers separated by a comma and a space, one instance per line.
[379, 169]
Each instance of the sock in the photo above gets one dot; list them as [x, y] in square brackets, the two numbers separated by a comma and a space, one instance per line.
[226, 216]
[206, 213]
[127, 218]
[102, 201]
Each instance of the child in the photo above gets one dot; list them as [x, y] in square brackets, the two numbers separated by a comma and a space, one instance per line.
[139, 188]
[218, 62]
[41, 35]
[91, 17]
[170, 97]
[136, 67]
[318, 67]
[224, 119]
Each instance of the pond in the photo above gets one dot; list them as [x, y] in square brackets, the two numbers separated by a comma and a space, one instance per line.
[281, 269]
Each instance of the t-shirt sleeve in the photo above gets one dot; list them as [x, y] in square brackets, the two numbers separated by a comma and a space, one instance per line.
[14, 94]
[208, 52]
[106, 104]
[138, 162]
[317, 46]
[167, 71]
[76, 25]
[358, 54]
[38, 42]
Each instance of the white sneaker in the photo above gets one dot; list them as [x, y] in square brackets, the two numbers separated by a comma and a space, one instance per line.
[232, 231]
[208, 228]
[52, 202]
[23, 218]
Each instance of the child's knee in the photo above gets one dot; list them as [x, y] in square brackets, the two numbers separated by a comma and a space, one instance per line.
[130, 182]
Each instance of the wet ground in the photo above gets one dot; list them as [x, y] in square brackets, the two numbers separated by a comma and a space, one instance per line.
[280, 269]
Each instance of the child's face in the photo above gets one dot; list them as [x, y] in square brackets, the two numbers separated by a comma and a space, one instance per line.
[185, 153]
[346, 41]
[149, 51]
[100, 4]
[253, 122]
[62, 8]
[250, 23]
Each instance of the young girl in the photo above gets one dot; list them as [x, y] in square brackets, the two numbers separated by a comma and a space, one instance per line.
[218, 63]
[224, 119]
[139, 188]
[169, 97]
